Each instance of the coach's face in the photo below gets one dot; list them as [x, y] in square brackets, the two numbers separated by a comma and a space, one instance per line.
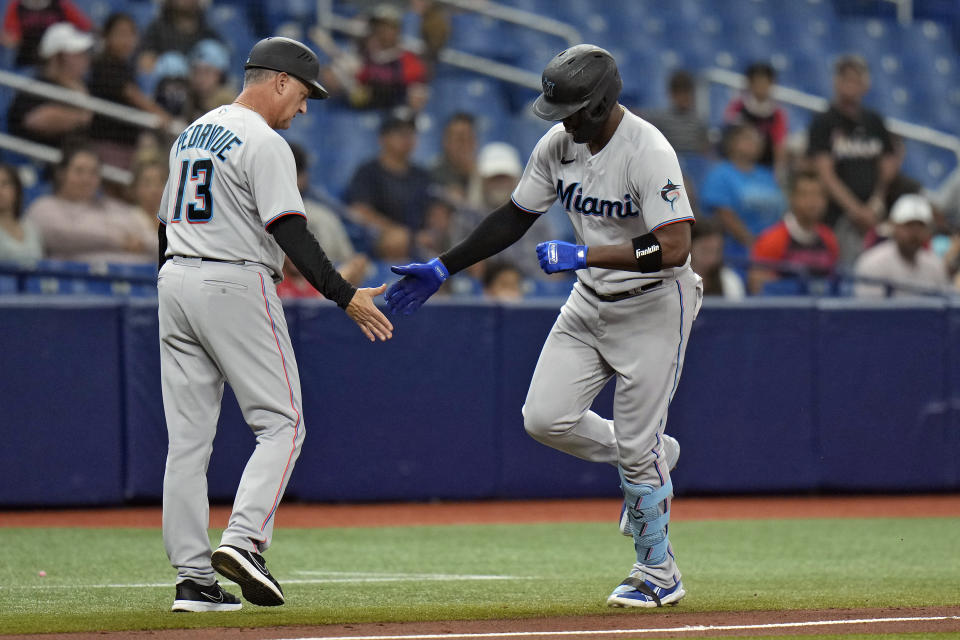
[292, 99]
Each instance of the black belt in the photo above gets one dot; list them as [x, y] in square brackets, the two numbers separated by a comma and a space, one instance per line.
[632, 293]
[211, 259]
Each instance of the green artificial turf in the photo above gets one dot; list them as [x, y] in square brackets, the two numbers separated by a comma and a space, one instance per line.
[410, 573]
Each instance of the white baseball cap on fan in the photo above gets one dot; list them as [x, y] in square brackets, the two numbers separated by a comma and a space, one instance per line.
[63, 37]
[911, 207]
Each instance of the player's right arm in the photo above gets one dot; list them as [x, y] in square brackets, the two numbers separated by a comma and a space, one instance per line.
[505, 225]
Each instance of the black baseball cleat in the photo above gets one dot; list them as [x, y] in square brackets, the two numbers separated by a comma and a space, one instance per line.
[199, 597]
[248, 570]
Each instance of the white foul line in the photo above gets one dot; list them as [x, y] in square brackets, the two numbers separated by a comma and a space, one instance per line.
[684, 629]
[333, 577]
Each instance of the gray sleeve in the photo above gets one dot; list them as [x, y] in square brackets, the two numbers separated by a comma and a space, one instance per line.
[273, 179]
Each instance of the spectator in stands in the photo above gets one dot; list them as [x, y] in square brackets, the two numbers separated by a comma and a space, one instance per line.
[146, 191]
[757, 108]
[706, 259]
[26, 21]
[680, 123]
[499, 167]
[853, 153]
[114, 78]
[435, 28]
[436, 236]
[78, 223]
[327, 227]
[389, 76]
[19, 239]
[172, 91]
[208, 79]
[901, 183]
[66, 59]
[947, 199]
[742, 194]
[456, 168]
[502, 282]
[800, 241]
[294, 285]
[904, 264]
[389, 193]
[179, 26]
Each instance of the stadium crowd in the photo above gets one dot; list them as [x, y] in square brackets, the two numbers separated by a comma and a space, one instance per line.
[773, 217]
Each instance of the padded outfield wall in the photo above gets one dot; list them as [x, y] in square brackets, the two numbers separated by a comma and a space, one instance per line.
[776, 396]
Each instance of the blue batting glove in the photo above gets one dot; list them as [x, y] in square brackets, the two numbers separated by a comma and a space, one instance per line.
[419, 282]
[557, 255]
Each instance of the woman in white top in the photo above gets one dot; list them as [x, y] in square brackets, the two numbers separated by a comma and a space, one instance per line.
[80, 224]
[19, 239]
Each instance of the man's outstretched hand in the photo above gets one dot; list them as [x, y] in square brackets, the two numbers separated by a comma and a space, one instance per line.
[364, 312]
[419, 282]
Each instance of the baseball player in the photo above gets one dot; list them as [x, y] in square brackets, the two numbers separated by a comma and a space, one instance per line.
[630, 311]
[230, 211]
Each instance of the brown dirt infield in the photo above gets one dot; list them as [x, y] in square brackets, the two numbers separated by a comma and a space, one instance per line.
[667, 623]
[516, 511]
[673, 622]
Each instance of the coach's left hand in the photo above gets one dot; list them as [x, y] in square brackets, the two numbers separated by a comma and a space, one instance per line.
[557, 255]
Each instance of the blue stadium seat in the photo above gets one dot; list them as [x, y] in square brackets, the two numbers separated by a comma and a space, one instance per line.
[525, 130]
[482, 36]
[142, 13]
[695, 166]
[342, 141]
[468, 92]
[8, 285]
[809, 73]
[233, 25]
[278, 12]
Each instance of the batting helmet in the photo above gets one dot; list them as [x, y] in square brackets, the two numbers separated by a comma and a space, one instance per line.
[581, 77]
[289, 56]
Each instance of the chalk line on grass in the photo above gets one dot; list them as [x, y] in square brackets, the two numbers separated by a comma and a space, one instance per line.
[683, 629]
[318, 577]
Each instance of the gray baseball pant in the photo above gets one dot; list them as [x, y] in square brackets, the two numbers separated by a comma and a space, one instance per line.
[641, 341]
[224, 322]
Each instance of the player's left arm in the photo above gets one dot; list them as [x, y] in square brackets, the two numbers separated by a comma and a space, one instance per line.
[655, 184]
[668, 246]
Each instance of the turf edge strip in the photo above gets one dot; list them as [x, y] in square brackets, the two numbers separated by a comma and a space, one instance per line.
[684, 629]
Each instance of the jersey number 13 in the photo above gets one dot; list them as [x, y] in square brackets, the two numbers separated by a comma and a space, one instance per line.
[200, 175]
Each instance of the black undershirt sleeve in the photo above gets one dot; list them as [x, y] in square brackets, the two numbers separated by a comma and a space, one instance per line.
[504, 226]
[295, 239]
[162, 237]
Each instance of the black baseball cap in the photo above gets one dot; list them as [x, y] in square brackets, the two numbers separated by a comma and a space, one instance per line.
[289, 56]
[400, 118]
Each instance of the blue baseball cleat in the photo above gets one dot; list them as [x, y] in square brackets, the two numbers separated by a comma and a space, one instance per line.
[637, 592]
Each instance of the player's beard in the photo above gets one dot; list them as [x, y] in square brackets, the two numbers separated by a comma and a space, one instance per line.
[587, 131]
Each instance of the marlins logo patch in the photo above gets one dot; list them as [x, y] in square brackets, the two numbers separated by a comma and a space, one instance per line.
[548, 87]
[670, 192]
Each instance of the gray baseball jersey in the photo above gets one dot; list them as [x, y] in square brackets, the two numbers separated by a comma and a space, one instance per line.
[631, 187]
[231, 175]
[221, 321]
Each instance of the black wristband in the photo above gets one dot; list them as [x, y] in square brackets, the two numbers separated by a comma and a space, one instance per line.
[646, 249]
